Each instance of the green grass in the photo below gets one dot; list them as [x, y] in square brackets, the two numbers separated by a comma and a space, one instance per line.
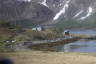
[76, 24]
[30, 35]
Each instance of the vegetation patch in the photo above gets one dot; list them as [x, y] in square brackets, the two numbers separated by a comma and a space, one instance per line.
[31, 35]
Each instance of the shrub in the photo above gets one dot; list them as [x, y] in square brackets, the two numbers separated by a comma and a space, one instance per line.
[6, 24]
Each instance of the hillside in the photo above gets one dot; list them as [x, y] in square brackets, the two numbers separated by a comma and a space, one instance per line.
[75, 24]
[18, 36]
[19, 11]
[5, 34]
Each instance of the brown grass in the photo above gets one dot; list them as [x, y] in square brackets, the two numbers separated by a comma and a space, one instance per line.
[81, 35]
[51, 58]
[5, 34]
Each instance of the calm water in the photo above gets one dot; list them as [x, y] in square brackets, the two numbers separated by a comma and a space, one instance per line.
[83, 46]
[87, 32]
[80, 46]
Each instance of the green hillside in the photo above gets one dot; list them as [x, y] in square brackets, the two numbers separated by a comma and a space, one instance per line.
[75, 24]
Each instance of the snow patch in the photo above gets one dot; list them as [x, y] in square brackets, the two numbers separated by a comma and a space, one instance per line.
[44, 3]
[78, 13]
[90, 10]
[62, 11]
[25, 0]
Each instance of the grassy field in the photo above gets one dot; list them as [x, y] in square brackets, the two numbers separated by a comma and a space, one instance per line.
[5, 34]
[37, 57]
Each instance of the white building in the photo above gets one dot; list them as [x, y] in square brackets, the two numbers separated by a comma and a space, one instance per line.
[38, 28]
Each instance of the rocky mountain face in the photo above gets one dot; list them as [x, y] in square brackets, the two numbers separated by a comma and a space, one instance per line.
[20, 10]
[74, 9]
[52, 11]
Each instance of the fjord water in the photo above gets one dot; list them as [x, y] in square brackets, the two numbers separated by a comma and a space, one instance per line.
[82, 45]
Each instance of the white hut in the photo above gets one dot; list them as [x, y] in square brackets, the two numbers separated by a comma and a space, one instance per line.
[38, 28]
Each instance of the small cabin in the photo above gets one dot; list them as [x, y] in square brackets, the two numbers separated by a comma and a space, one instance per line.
[38, 28]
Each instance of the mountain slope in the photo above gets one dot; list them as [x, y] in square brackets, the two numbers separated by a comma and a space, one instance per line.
[20, 10]
[47, 11]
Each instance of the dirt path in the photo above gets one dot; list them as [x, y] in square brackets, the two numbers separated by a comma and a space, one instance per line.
[51, 58]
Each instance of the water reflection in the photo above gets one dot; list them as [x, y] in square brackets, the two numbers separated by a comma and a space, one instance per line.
[80, 46]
